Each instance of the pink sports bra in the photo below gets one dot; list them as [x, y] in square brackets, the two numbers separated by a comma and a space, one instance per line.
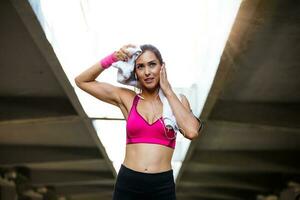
[140, 131]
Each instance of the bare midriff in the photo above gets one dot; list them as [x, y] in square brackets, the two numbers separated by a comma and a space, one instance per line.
[148, 158]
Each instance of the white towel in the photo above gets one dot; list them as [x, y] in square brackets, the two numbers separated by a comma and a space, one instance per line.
[168, 116]
[125, 75]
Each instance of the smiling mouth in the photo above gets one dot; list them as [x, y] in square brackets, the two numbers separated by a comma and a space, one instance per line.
[148, 80]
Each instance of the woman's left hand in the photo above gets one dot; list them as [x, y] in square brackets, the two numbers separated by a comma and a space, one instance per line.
[164, 83]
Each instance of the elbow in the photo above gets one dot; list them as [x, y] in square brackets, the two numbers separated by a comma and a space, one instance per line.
[77, 81]
[193, 131]
[192, 135]
[190, 132]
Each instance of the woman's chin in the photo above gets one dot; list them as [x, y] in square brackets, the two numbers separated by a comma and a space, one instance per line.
[151, 86]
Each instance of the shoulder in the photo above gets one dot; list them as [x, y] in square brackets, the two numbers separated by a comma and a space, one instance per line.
[126, 97]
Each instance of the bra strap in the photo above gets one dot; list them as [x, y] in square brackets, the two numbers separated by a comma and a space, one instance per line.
[135, 100]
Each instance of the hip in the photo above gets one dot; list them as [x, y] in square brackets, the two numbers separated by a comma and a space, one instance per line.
[147, 185]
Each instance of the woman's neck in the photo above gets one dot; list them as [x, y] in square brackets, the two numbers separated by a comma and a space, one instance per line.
[149, 95]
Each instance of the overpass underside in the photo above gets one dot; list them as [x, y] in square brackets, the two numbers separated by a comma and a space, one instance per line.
[249, 148]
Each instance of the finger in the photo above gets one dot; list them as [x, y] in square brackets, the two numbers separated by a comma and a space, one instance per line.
[118, 55]
[163, 71]
[126, 52]
[129, 45]
[121, 55]
[161, 78]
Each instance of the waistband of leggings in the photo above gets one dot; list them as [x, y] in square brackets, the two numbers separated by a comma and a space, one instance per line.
[160, 174]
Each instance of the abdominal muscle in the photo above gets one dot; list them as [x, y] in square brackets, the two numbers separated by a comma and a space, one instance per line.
[148, 158]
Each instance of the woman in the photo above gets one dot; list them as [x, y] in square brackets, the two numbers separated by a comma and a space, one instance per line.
[146, 172]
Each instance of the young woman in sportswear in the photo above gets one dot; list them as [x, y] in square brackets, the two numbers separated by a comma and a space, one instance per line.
[146, 172]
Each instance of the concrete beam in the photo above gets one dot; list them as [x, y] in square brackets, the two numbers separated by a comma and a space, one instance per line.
[48, 131]
[7, 192]
[11, 155]
[210, 194]
[223, 179]
[222, 183]
[64, 177]
[83, 189]
[226, 67]
[191, 197]
[92, 196]
[34, 107]
[272, 114]
[227, 135]
[34, 28]
[251, 161]
[78, 165]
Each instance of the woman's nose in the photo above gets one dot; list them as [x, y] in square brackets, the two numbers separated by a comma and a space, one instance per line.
[147, 71]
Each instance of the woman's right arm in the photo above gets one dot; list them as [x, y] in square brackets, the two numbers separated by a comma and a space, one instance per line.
[104, 91]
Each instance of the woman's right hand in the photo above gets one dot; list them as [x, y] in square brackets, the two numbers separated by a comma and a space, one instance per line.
[123, 54]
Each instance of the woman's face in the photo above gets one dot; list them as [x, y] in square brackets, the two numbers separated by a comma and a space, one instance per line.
[147, 69]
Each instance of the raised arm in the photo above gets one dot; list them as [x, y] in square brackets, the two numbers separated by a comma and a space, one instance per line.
[185, 119]
[104, 91]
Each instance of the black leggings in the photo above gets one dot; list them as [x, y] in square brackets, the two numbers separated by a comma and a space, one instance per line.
[134, 185]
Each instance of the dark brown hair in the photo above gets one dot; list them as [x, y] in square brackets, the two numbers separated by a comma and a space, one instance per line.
[150, 47]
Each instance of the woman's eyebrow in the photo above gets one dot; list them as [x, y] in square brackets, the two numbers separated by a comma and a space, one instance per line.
[139, 64]
[151, 61]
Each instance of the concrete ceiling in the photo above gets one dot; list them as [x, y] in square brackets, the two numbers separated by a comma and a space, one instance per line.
[45, 136]
[250, 144]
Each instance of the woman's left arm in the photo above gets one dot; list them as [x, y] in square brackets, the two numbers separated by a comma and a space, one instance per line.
[184, 117]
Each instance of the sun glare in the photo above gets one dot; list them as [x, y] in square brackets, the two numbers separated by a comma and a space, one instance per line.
[190, 34]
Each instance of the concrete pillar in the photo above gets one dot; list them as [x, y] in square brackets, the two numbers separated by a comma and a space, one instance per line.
[290, 194]
[8, 193]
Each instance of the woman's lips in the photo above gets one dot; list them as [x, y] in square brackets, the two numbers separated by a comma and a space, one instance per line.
[148, 80]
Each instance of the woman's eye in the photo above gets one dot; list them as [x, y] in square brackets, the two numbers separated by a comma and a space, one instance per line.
[152, 64]
[139, 66]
